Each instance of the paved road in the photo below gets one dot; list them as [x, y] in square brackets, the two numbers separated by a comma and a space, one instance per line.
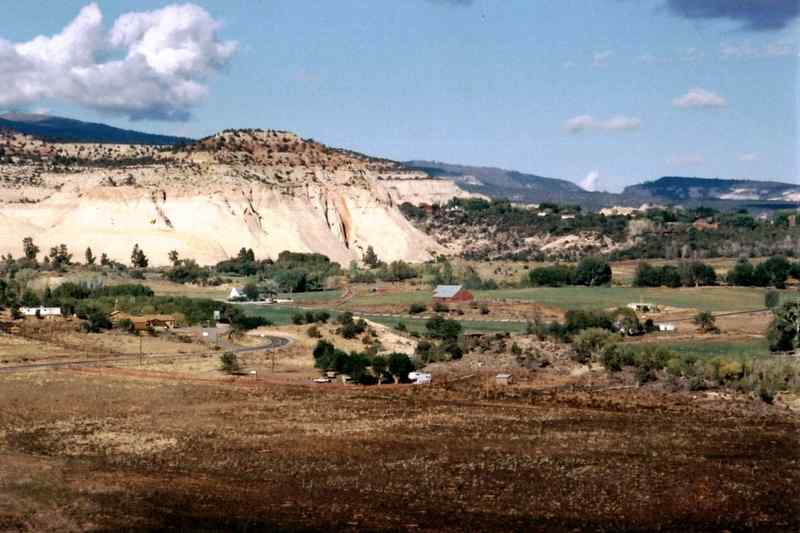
[271, 342]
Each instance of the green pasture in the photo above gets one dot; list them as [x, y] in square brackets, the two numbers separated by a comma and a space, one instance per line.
[716, 299]
[736, 349]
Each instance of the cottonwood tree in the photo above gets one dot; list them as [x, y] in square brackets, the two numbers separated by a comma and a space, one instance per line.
[371, 258]
[29, 249]
[783, 332]
[60, 256]
[138, 258]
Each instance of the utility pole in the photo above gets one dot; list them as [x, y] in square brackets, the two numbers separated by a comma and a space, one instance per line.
[141, 357]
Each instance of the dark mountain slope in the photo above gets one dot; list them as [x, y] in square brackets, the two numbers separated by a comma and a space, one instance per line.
[59, 129]
[515, 186]
[682, 189]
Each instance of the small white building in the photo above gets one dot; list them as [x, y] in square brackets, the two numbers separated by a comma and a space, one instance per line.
[567, 217]
[40, 311]
[504, 379]
[666, 327]
[236, 293]
[420, 378]
[643, 307]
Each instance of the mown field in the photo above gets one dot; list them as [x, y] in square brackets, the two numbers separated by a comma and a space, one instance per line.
[716, 299]
[283, 315]
[738, 349]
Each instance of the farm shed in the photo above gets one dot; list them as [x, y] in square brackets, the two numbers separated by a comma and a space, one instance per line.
[145, 322]
[643, 307]
[40, 311]
[451, 293]
[504, 379]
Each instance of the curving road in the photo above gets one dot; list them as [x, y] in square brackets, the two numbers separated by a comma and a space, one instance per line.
[272, 343]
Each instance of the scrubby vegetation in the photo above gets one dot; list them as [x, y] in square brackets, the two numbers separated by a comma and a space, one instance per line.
[496, 229]
[363, 368]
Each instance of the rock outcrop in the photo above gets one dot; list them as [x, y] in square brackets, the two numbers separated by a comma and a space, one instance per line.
[266, 190]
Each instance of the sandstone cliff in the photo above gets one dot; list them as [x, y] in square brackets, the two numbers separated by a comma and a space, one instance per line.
[266, 190]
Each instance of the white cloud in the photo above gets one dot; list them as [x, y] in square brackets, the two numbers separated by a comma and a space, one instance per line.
[579, 123]
[583, 123]
[152, 64]
[748, 157]
[700, 98]
[679, 55]
[686, 160]
[600, 59]
[591, 180]
[621, 123]
[747, 50]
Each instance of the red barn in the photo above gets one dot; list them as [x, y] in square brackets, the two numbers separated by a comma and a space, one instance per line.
[451, 293]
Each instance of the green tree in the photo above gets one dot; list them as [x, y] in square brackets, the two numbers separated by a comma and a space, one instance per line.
[592, 271]
[379, 367]
[371, 258]
[173, 257]
[251, 292]
[30, 299]
[97, 320]
[138, 258]
[29, 249]
[741, 274]
[706, 322]
[90, 258]
[771, 299]
[60, 256]
[229, 362]
[444, 329]
[783, 332]
[590, 343]
[399, 366]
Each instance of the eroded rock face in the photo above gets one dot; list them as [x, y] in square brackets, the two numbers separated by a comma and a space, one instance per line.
[265, 190]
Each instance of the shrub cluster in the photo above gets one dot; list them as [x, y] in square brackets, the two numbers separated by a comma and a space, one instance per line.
[363, 368]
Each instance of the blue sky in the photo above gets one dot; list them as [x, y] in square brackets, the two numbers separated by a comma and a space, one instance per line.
[616, 90]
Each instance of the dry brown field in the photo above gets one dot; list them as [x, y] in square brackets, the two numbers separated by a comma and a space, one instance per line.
[179, 446]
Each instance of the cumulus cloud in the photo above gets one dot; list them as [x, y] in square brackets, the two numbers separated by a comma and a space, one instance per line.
[757, 15]
[701, 99]
[150, 65]
[591, 181]
[582, 123]
[600, 59]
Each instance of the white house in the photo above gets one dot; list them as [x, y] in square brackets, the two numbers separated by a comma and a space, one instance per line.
[236, 292]
[40, 311]
[666, 327]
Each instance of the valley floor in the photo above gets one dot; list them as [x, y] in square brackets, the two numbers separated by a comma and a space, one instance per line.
[178, 447]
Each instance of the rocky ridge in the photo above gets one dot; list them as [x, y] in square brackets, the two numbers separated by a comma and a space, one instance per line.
[262, 189]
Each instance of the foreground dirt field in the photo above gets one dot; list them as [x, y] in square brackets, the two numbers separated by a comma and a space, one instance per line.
[113, 448]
